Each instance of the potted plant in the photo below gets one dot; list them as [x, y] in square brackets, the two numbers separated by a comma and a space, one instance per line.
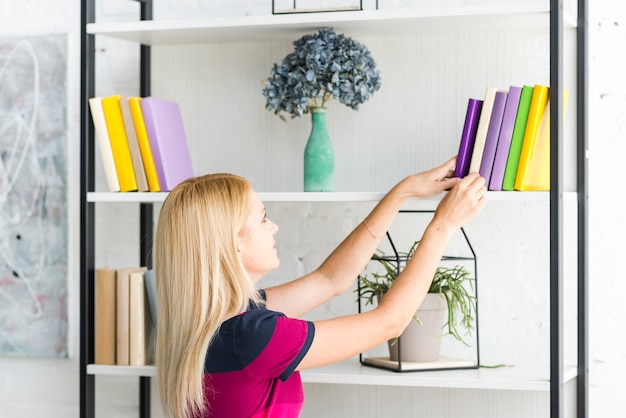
[322, 66]
[448, 309]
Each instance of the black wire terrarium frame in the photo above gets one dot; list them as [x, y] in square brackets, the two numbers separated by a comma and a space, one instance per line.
[399, 259]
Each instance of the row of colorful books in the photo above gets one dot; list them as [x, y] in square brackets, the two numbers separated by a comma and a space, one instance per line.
[506, 138]
[125, 316]
[142, 142]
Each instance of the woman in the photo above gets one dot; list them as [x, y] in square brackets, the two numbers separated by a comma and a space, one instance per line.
[225, 349]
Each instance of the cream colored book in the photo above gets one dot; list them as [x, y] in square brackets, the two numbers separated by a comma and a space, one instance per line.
[482, 129]
[104, 143]
[122, 320]
[139, 326]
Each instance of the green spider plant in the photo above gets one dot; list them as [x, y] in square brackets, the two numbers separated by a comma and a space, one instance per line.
[450, 282]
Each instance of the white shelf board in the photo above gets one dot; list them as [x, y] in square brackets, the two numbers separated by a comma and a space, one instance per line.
[264, 196]
[99, 369]
[133, 197]
[351, 372]
[353, 23]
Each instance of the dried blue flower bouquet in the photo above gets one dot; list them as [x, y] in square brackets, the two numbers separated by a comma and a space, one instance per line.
[322, 66]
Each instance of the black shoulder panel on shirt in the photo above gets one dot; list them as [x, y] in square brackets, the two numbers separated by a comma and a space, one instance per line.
[240, 340]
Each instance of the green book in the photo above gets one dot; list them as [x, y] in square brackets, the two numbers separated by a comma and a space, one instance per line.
[510, 172]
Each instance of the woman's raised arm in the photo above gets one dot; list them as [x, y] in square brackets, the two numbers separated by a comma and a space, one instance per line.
[340, 269]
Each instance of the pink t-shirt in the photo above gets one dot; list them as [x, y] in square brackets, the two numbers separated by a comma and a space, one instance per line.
[249, 368]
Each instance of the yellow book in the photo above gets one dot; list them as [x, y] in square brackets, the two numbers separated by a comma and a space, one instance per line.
[119, 143]
[144, 144]
[133, 145]
[538, 173]
[538, 103]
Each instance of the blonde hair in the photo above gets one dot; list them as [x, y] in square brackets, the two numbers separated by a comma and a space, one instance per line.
[200, 282]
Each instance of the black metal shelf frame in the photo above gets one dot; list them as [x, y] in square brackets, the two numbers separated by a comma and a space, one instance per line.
[556, 209]
[88, 213]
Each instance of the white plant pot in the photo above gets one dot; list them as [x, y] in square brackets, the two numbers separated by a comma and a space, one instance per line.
[422, 342]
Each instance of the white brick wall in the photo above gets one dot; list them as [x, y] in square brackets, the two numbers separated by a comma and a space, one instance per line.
[607, 228]
[49, 388]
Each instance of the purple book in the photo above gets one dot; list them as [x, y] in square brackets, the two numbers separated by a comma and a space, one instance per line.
[166, 134]
[504, 141]
[493, 133]
[467, 137]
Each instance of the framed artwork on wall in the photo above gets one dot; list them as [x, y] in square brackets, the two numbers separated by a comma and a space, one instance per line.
[33, 196]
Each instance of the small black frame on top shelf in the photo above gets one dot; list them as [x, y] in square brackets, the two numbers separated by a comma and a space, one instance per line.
[399, 259]
[280, 7]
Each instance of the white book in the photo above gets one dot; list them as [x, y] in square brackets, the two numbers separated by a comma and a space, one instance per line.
[123, 313]
[139, 317]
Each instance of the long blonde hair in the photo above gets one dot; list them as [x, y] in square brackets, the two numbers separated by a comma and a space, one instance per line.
[200, 282]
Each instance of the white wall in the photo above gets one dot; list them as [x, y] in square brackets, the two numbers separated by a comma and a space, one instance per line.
[49, 388]
[607, 113]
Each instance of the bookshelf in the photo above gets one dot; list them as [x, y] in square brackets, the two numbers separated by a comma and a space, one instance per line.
[195, 38]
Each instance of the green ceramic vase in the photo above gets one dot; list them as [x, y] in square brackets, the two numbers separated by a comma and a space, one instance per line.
[319, 157]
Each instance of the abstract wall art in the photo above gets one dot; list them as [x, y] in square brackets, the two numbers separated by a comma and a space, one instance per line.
[33, 196]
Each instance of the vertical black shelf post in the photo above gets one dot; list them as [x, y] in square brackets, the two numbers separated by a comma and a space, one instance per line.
[582, 90]
[556, 209]
[146, 211]
[87, 213]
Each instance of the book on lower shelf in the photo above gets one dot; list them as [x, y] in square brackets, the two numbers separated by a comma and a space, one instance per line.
[124, 329]
[139, 321]
[105, 296]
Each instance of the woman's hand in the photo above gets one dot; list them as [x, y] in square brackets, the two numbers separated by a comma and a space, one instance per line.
[462, 202]
[430, 182]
